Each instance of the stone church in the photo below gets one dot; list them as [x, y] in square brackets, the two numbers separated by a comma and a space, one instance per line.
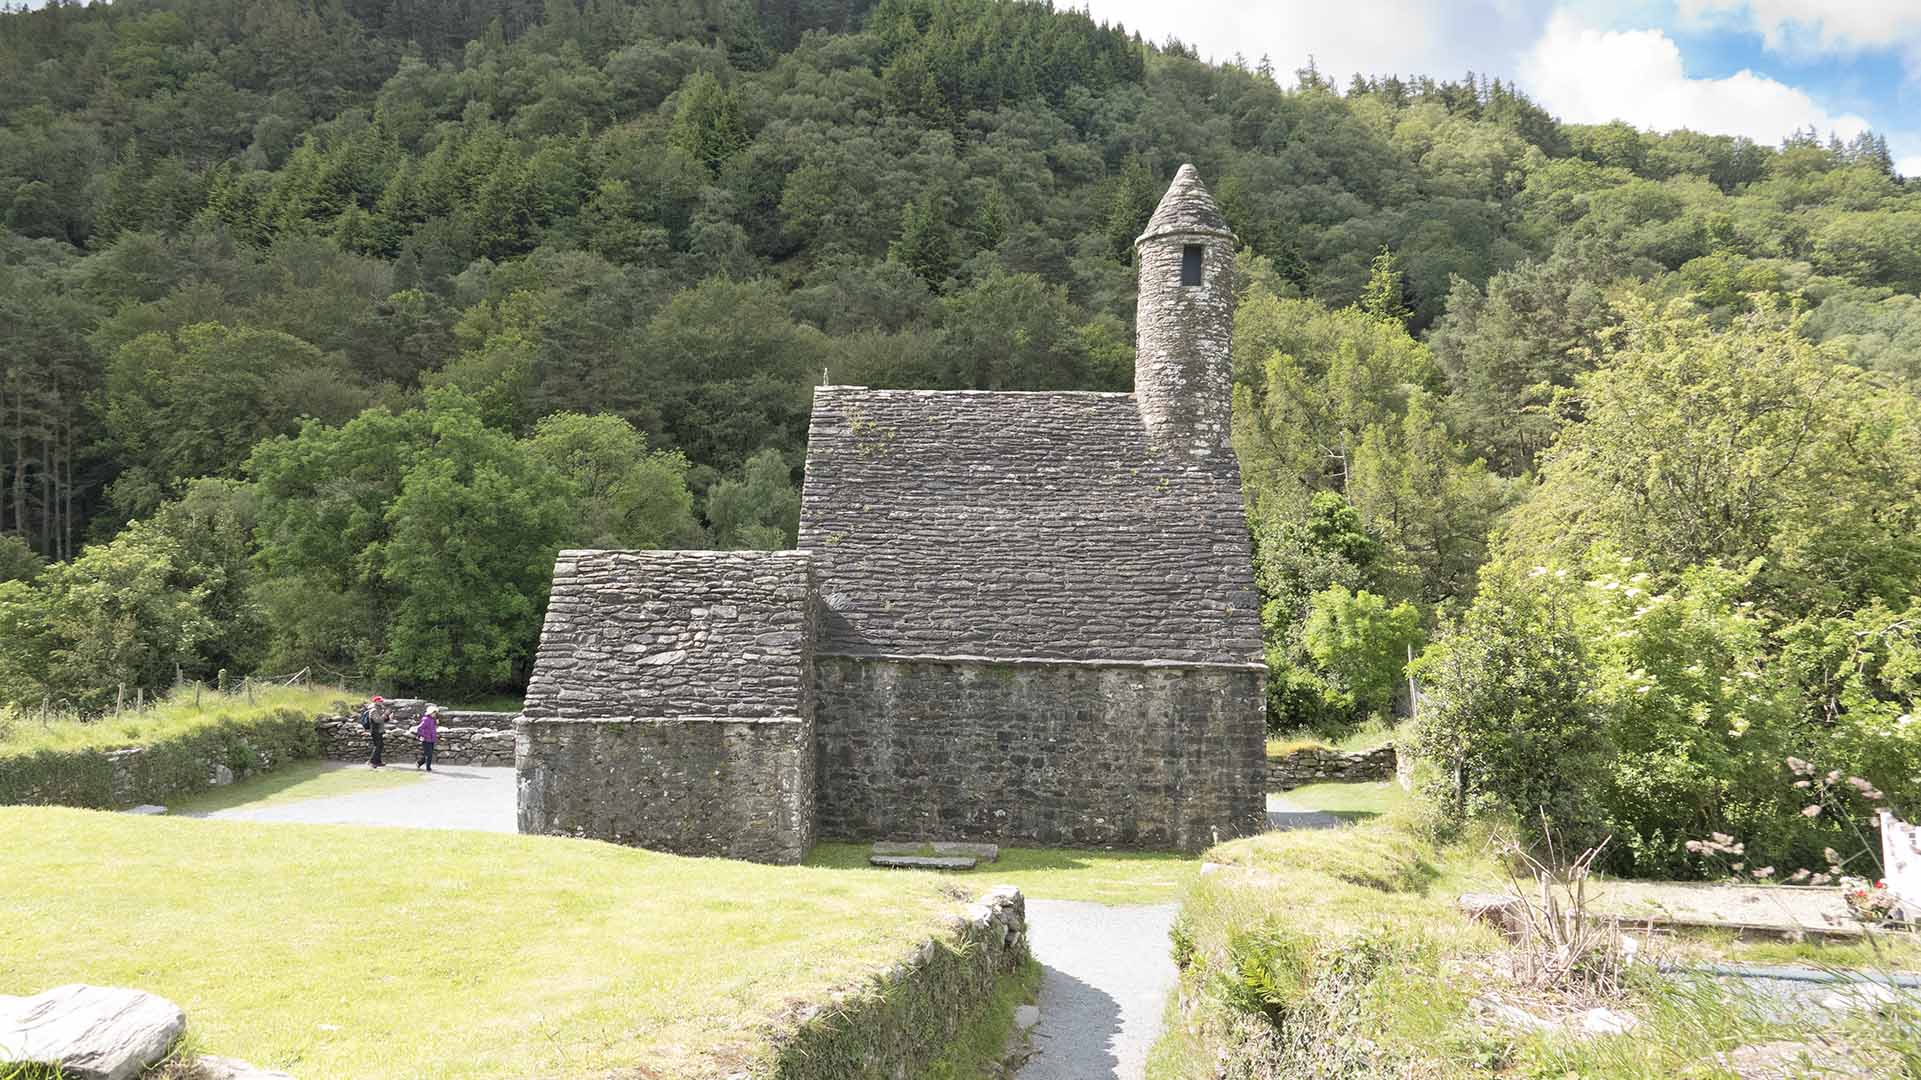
[1018, 617]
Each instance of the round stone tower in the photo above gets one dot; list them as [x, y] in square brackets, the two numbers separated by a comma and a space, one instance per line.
[1184, 323]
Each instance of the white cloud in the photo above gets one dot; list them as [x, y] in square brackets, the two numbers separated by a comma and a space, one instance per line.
[1372, 37]
[1586, 75]
[1817, 26]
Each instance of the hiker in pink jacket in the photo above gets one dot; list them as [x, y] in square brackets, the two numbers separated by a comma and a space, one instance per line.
[429, 732]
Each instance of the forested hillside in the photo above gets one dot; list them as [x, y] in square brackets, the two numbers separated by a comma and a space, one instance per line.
[327, 323]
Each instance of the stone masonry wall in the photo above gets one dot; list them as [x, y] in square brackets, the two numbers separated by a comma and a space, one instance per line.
[671, 704]
[895, 1023]
[1312, 766]
[699, 786]
[1153, 756]
[465, 738]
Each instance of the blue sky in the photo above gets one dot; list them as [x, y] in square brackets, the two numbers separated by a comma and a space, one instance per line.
[1759, 68]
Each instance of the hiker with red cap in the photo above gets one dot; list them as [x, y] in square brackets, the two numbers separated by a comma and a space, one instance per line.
[373, 716]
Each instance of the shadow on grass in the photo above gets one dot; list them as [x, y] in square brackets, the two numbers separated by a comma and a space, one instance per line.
[280, 786]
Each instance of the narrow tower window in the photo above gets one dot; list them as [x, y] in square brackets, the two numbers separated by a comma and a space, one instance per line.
[1191, 264]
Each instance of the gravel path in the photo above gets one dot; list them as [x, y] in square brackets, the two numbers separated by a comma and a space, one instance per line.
[1103, 991]
[451, 797]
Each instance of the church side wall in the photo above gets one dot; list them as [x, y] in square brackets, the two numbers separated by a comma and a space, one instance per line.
[1131, 755]
[743, 789]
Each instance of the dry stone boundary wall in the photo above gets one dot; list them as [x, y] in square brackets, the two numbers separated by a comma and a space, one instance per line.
[466, 738]
[1313, 766]
[893, 1027]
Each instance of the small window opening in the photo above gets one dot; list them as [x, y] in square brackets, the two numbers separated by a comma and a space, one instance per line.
[1191, 264]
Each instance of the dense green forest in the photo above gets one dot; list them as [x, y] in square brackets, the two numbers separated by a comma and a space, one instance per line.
[324, 323]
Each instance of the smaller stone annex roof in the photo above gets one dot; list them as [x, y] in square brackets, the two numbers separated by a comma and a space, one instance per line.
[675, 634]
[1188, 208]
[1020, 526]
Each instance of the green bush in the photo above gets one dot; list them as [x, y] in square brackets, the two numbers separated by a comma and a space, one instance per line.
[1508, 710]
[1362, 643]
[177, 759]
[1662, 716]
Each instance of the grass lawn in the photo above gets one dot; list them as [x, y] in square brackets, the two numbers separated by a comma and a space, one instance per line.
[294, 782]
[1355, 802]
[1103, 877]
[343, 952]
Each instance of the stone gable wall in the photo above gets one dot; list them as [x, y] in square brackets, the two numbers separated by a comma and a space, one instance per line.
[1128, 755]
[672, 704]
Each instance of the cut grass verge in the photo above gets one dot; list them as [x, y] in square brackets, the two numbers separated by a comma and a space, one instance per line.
[297, 782]
[340, 952]
[1102, 877]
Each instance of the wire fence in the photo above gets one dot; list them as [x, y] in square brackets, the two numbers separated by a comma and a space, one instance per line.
[200, 692]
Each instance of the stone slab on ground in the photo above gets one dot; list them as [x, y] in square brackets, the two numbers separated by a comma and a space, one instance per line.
[922, 862]
[1106, 975]
[978, 852]
[1781, 909]
[90, 1032]
[147, 808]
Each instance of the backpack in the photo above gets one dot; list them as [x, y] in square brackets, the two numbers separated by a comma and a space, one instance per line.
[366, 717]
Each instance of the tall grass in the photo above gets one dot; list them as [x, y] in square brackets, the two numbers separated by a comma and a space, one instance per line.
[184, 711]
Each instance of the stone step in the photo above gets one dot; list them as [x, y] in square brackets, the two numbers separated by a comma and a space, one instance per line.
[923, 862]
[942, 848]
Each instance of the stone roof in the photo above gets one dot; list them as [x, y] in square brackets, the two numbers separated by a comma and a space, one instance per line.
[1188, 208]
[1020, 526]
[675, 634]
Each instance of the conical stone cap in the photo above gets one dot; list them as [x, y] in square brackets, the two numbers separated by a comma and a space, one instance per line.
[1187, 209]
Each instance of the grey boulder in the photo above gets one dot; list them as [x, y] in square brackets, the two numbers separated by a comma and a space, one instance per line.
[90, 1032]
